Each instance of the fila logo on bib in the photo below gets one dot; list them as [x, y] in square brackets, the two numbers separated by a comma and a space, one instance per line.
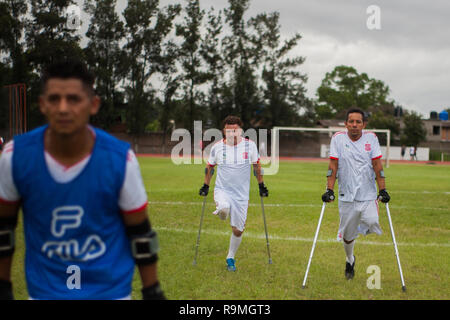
[245, 155]
[367, 146]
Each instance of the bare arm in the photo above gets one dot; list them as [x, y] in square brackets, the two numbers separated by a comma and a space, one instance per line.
[7, 211]
[258, 172]
[377, 168]
[331, 180]
[208, 174]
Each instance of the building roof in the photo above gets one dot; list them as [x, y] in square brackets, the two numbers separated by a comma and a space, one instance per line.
[327, 123]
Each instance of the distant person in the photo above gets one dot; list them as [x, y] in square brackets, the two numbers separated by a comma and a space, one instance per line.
[412, 153]
[234, 155]
[355, 161]
[262, 149]
[403, 151]
[83, 200]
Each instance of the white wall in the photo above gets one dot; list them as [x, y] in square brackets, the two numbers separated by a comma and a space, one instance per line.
[423, 154]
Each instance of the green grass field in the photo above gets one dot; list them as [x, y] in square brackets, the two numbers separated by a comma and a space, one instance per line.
[420, 201]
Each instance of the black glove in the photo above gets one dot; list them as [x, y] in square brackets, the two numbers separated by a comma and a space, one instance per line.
[153, 292]
[263, 191]
[383, 196]
[6, 290]
[204, 190]
[328, 196]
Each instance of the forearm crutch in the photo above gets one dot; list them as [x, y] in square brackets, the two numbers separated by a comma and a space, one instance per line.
[314, 245]
[199, 231]
[265, 228]
[395, 247]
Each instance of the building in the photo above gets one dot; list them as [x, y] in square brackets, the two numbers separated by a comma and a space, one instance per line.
[438, 135]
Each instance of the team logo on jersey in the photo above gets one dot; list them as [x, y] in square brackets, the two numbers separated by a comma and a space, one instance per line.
[245, 155]
[367, 147]
[64, 219]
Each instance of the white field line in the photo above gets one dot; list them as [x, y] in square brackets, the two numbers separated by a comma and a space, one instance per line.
[423, 192]
[276, 237]
[174, 203]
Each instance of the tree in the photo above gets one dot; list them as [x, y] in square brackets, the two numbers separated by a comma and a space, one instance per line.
[215, 65]
[12, 23]
[382, 117]
[414, 131]
[13, 68]
[283, 84]
[145, 29]
[171, 82]
[48, 38]
[190, 57]
[103, 56]
[344, 87]
[241, 94]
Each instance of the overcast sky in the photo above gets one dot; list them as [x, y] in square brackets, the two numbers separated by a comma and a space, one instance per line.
[410, 53]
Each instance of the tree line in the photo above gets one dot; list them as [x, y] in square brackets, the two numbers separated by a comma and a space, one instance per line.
[160, 66]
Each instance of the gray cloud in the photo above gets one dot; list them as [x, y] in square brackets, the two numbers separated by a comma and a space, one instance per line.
[411, 52]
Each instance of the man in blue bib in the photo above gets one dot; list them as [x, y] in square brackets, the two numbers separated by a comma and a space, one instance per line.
[83, 201]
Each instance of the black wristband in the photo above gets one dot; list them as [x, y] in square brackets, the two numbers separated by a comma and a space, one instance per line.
[144, 243]
[153, 292]
[7, 235]
[6, 290]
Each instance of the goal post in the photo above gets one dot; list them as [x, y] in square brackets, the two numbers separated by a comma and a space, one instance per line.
[275, 145]
[14, 110]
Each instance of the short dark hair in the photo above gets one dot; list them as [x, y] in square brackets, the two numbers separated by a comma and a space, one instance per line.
[232, 120]
[356, 110]
[67, 69]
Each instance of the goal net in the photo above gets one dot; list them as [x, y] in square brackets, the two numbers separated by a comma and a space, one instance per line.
[314, 143]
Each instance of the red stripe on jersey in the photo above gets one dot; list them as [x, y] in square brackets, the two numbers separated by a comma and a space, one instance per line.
[338, 133]
[8, 201]
[9, 147]
[377, 157]
[370, 132]
[211, 165]
[136, 210]
[334, 158]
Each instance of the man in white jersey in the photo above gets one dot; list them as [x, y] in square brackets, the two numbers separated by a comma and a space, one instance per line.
[355, 160]
[234, 156]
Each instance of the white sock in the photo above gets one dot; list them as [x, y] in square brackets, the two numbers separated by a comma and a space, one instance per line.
[348, 247]
[234, 245]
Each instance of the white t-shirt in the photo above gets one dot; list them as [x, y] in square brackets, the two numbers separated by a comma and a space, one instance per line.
[133, 196]
[234, 167]
[355, 174]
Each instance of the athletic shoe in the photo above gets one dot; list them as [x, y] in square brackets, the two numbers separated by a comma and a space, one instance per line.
[350, 269]
[230, 265]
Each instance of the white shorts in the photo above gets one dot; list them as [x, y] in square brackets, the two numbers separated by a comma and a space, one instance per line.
[358, 217]
[238, 208]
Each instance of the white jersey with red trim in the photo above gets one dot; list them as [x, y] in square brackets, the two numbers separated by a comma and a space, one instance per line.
[356, 176]
[234, 167]
[132, 198]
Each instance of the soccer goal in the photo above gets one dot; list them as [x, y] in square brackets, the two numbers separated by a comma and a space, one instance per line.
[314, 143]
